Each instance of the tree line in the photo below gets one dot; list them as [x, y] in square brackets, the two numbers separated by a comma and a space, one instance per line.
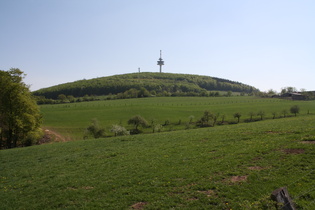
[208, 119]
[131, 93]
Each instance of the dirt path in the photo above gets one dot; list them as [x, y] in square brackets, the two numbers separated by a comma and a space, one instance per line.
[52, 136]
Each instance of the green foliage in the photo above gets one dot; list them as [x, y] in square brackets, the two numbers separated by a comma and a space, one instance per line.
[274, 114]
[284, 112]
[62, 97]
[32, 137]
[137, 121]
[251, 114]
[261, 114]
[157, 128]
[191, 118]
[140, 85]
[118, 130]
[204, 121]
[20, 117]
[95, 129]
[238, 116]
[295, 109]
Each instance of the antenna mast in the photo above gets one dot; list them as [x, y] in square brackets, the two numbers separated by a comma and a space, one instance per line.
[160, 62]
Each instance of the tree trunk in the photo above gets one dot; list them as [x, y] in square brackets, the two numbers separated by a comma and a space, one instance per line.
[9, 138]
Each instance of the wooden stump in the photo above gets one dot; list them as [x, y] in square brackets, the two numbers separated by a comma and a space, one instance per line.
[281, 195]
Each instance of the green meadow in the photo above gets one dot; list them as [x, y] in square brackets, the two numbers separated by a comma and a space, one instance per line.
[71, 119]
[230, 166]
[223, 167]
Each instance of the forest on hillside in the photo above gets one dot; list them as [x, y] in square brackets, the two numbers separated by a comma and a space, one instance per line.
[154, 83]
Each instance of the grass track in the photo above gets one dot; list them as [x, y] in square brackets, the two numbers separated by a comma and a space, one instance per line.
[191, 169]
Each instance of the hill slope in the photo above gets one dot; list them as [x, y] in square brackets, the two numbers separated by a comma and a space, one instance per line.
[153, 82]
[225, 167]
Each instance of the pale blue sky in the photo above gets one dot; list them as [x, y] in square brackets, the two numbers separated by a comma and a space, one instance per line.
[268, 44]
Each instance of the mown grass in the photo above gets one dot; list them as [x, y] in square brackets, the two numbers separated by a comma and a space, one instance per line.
[222, 167]
[71, 119]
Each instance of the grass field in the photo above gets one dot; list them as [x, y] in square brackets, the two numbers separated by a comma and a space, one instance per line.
[71, 119]
[223, 167]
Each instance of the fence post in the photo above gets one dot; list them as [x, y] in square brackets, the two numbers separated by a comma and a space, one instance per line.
[281, 195]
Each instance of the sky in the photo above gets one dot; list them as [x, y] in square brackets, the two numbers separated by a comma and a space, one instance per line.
[268, 44]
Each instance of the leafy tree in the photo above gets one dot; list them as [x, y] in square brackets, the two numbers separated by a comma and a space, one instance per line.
[274, 115]
[20, 118]
[153, 92]
[207, 116]
[137, 121]
[295, 109]
[95, 129]
[144, 92]
[204, 93]
[71, 98]
[215, 118]
[251, 114]
[62, 97]
[288, 90]
[261, 114]
[153, 123]
[284, 112]
[229, 93]
[238, 116]
[271, 92]
[86, 97]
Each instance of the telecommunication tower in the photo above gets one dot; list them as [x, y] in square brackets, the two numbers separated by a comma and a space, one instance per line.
[160, 62]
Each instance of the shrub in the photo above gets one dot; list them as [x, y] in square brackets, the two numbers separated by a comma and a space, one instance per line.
[274, 114]
[33, 137]
[167, 122]
[284, 112]
[158, 128]
[119, 130]
[191, 118]
[137, 121]
[204, 121]
[295, 109]
[95, 129]
[251, 114]
[261, 114]
[238, 116]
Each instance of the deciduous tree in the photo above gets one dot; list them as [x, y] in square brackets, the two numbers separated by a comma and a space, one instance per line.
[20, 118]
[295, 109]
[261, 114]
[137, 121]
[251, 114]
[238, 116]
[95, 129]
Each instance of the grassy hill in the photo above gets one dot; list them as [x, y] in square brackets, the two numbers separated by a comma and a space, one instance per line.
[155, 83]
[223, 167]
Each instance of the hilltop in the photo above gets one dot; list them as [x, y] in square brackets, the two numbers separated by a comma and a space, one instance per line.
[147, 83]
